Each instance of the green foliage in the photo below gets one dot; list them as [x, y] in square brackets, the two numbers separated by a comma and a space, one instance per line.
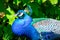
[16, 2]
[54, 2]
[11, 17]
[41, 9]
[44, 1]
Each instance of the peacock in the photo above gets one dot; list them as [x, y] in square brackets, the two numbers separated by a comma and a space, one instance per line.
[37, 28]
[48, 28]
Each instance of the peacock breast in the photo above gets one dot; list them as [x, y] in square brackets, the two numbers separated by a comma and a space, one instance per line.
[17, 26]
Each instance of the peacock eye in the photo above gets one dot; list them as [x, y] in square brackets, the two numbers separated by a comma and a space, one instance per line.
[20, 14]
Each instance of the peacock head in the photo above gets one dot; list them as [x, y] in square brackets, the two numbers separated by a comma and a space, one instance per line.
[23, 18]
[20, 14]
[26, 11]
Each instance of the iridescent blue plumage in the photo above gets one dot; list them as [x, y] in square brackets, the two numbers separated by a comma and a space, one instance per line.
[44, 30]
[22, 26]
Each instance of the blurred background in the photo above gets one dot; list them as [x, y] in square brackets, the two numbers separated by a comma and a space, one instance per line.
[41, 9]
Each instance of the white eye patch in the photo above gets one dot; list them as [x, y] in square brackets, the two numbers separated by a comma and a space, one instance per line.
[21, 14]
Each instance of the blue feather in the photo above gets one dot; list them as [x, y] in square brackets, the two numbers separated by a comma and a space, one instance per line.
[23, 27]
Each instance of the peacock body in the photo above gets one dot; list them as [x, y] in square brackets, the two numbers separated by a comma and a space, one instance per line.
[37, 28]
[22, 27]
[47, 27]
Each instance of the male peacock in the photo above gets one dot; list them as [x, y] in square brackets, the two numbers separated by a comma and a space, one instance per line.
[49, 29]
[22, 26]
[42, 28]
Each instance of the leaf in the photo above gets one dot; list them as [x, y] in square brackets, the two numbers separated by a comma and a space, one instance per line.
[53, 1]
[39, 1]
[1, 29]
[7, 33]
[34, 7]
[16, 2]
[43, 1]
[2, 6]
[11, 17]
[25, 1]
